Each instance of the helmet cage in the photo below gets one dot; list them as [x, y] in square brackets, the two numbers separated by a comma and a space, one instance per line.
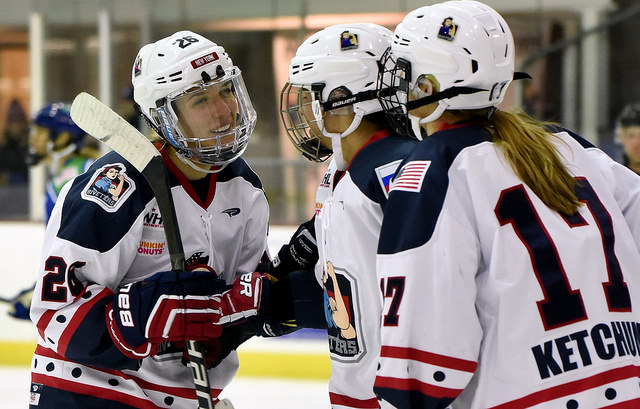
[395, 84]
[394, 79]
[218, 137]
[302, 114]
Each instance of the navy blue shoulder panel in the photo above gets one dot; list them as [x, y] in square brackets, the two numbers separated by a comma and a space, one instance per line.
[240, 168]
[376, 155]
[410, 217]
[91, 217]
[585, 143]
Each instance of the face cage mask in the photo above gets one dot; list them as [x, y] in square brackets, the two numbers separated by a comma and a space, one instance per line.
[303, 119]
[397, 83]
[209, 123]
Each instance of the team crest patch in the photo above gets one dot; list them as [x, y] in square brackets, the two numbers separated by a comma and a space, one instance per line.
[109, 187]
[411, 176]
[448, 29]
[385, 174]
[137, 70]
[348, 41]
[343, 319]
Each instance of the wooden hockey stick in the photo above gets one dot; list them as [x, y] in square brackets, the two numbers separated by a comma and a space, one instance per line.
[101, 122]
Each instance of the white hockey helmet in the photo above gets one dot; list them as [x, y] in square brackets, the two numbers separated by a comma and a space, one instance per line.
[333, 71]
[464, 46]
[191, 93]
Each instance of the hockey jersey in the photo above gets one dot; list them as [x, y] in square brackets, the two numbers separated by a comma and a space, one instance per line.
[106, 231]
[71, 168]
[348, 216]
[493, 300]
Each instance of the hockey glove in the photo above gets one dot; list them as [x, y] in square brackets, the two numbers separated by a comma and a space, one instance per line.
[300, 253]
[21, 303]
[177, 306]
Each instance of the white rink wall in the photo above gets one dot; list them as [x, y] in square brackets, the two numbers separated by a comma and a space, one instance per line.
[20, 247]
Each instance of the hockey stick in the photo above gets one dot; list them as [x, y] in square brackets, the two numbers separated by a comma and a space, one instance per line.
[101, 122]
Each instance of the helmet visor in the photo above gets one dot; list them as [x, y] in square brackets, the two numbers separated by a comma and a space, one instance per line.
[211, 121]
[303, 118]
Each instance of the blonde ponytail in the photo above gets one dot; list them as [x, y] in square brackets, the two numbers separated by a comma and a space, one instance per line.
[528, 148]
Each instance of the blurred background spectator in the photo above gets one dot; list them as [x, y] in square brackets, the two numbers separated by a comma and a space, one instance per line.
[13, 146]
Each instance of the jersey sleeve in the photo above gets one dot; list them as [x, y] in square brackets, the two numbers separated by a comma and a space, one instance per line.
[625, 183]
[427, 276]
[245, 182]
[626, 190]
[84, 258]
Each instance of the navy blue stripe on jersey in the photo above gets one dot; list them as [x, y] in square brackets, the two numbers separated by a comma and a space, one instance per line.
[585, 143]
[78, 213]
[239, 168]
[410, 398]
[410, 217]
[86, 347]
[378, 153]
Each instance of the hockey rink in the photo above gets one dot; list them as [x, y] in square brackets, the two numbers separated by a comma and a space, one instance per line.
[284, 373]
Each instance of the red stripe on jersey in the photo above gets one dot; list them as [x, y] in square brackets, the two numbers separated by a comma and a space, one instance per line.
[343, 400]
[630, 404]
[78, 318]
[44, 321]
[188, 393]
[570, 388]
[103, 393]
[416, 385]
[428, 358]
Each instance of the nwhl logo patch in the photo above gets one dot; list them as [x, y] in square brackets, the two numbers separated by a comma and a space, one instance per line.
[109, 187]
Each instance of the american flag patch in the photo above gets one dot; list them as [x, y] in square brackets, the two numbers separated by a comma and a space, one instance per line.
[385, 174]
[411, 176]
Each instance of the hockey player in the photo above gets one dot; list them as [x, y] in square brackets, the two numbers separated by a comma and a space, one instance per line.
[508, 251]
[57, 142]
[112, 318]
[329, 106]
[628, 134]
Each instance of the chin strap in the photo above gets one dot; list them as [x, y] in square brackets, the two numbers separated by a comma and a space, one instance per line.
[336, 140]
[58, 156]
[197, 168]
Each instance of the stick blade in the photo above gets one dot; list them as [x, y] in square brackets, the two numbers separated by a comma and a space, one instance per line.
[101, 122]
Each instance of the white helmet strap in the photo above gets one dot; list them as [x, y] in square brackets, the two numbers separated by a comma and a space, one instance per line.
[336, 139]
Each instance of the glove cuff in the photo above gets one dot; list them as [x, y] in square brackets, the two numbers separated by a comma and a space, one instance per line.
[134, 352]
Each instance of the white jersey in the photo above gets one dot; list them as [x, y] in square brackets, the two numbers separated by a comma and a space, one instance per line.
[96, 242]
[497, 301]
[348, 218]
